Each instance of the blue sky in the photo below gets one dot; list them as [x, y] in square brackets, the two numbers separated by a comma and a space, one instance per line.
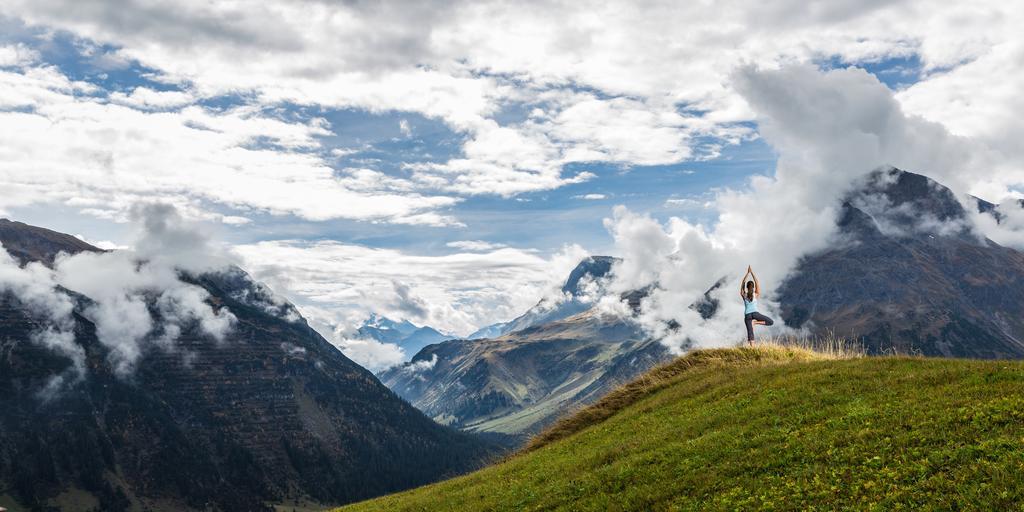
[482, 146]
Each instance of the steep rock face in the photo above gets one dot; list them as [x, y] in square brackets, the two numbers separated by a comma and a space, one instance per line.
[518, 383]
[271, 414]
[910, 276]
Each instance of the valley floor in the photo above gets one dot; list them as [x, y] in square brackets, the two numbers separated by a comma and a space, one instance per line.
[770, 428]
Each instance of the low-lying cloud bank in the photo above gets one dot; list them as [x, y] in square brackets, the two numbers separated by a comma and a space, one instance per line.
[830, 129]
[136, 299]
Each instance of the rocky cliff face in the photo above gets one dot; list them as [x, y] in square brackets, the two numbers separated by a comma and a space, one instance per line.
[910, 276]
[273, 413]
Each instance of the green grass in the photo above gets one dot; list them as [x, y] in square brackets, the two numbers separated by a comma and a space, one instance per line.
[770, 428]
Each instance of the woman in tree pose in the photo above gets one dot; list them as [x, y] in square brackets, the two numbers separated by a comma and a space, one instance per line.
[749, 292]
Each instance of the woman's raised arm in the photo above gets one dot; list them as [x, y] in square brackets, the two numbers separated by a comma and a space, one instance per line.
[744, 282]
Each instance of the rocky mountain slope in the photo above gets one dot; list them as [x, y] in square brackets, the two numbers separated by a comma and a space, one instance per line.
[911, 276]
[273, 413]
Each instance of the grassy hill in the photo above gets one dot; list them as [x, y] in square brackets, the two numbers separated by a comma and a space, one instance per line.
[769, 428]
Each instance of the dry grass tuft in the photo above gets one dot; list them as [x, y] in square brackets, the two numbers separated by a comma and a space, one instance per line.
[767, 351]
[828, 347]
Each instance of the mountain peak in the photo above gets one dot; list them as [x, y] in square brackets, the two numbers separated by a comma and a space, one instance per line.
[407, 335]
[382, 322]
[894, 202]
[594, 266]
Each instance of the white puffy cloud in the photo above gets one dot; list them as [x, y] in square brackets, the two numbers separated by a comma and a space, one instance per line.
[369, 354]
[421, 366]
[981, 100]
[17, 55]
[123, 285]
[1005, 225]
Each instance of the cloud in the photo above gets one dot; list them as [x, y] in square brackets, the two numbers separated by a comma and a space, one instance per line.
[370, 354]
[830, 129]
[689, 203]
[612, 82]
[595, 82]
[62, 146]
[148, 99]
[292, 349]
[474, 245]
[17, 55]
[35, 288]
[136, 299]
[980, 100]
[124, 286]
[591, 197]
[106, 245]
[421, 366]
[1008, 230]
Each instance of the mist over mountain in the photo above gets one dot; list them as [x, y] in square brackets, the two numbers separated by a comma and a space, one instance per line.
[268, 411]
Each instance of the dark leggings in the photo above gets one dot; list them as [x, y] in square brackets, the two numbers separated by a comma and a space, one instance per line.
[749, 320]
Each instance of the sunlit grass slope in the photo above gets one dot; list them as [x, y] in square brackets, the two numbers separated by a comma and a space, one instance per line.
[770, 428]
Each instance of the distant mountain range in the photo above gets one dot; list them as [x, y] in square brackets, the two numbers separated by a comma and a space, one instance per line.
[272, 414]
[908, 276]
[560, 355]
[410, 337]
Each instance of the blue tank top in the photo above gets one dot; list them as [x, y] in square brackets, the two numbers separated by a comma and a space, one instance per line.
[749, 306]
